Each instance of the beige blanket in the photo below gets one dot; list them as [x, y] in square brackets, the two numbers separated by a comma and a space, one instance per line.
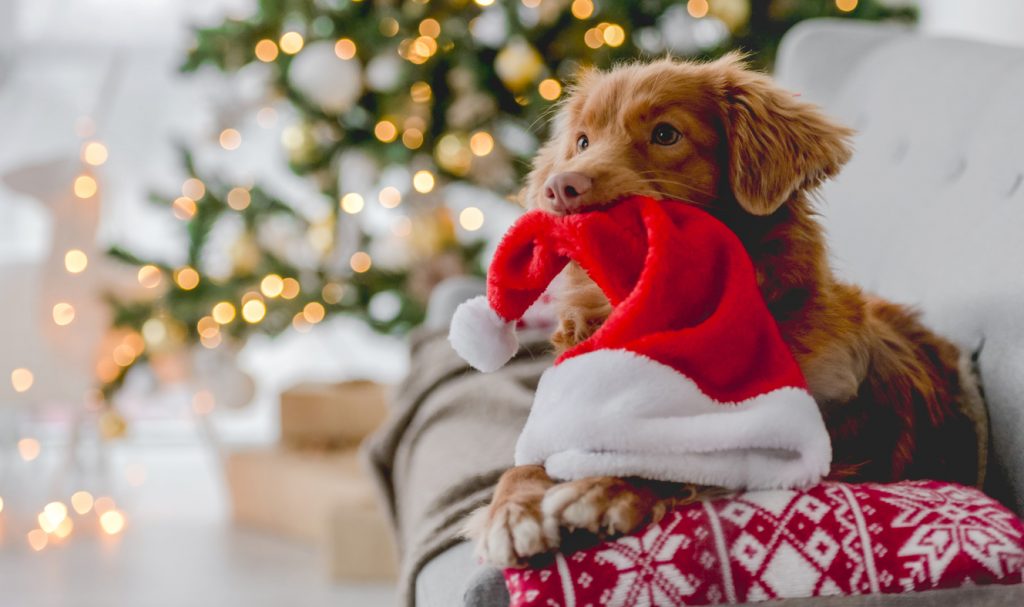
[450, 436]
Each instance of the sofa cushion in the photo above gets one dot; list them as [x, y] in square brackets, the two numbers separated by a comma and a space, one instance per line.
[832, 539]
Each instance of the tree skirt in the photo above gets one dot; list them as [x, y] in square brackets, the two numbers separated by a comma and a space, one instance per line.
[832, 539]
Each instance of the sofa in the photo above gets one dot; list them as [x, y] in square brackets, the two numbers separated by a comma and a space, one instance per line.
[930, 211]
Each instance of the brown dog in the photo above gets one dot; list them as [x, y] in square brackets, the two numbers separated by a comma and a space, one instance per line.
[727, 139]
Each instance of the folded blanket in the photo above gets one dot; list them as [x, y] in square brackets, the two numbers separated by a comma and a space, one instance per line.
[451, 435]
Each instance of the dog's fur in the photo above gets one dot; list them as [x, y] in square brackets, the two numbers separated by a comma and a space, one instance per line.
[751, 154]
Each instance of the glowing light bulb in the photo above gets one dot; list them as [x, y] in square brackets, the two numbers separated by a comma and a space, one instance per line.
[423, 181]
[481, 143]
[37, 539]
[64, 529]
[85, 186]
[420, 92]
[253, 311]
[345, 49]
[389, 197]
[239, 199]
[186, 278]
[846, 5]
[103, 504]
[112, 522]
[94, 153]
[223, 312]
[266, 50]
[230, 139]
[471, 219]
[150, 276]
[313, 312]
[22, 379]
[272, 285]
[550, 89]
[582, 9]
[75, 261]
[291, 288]
[184, 208]
[360, 262]
[291, 42]
[81, 502]
[193, 188]
[697, 8]
[614, 35]
[63, 313]
[386, 131]
[55, 513]
[352, 203]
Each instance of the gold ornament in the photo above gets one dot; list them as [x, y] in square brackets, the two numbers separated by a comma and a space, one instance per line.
[112, 425]
[733, 13]
[518, 65]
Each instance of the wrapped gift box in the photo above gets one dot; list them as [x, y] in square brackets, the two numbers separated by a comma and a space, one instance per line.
[315, 496]
[332, 415]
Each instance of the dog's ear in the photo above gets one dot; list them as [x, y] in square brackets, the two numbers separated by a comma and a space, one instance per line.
[777, 144]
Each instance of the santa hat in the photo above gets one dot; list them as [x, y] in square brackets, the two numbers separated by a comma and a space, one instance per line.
[687, 380]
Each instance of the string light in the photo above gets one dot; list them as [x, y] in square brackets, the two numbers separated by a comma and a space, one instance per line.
[210, 342]
[1, 504]
[420, 92]
[230, 139]
[471, 219]
[54, 513]
[531, 3]
[291, 288]
[313, 312]
[150, 276]
[94, 153]
[430, 27]
[352, 203]
[345, 48]
[582, 9]
[266, 50]
[22, 379]
[360, 262]
[614, 35]
[484, 2]
[593, 38]
[299, 323]
[82, 502]
[63, 313]
[184, 208]
[291, 42]
[423, 181]
[207, 327]
[112, 522]
[697, 8]
[85, 186]
[186, 278]
[389, 197]
[239, 199]
[38, 539]
[64, 529]
[193, 188]
[28, 449]
[75, 261]
[846, 5]
[386, 131]
[481, 143]
[123, 355]
[550, 89]
[272, 285]
[223, 312]
[253, 311]
[412, 138]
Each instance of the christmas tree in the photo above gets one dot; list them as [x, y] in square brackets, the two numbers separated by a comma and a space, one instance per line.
[446, 91]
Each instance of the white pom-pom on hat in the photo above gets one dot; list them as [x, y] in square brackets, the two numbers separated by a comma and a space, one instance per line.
[481, 337]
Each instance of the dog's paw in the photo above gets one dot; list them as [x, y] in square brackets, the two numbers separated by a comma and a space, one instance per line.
[603, 506]
[509, 533]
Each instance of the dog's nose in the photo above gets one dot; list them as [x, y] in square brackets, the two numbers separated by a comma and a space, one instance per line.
[564, 190]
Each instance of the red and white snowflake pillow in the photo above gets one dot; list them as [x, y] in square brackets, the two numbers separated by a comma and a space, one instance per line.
[832, 539]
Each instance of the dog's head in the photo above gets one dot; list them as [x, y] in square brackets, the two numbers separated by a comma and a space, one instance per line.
[709, 133]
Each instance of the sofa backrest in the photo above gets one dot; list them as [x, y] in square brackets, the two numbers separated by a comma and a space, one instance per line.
[930, 211]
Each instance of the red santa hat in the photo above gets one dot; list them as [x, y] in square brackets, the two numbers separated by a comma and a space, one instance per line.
[687, 380]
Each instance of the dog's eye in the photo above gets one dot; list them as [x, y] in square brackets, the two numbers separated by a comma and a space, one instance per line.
[582, 143]
[665, 134]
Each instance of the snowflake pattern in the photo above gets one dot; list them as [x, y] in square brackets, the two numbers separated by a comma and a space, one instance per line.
[832, 539]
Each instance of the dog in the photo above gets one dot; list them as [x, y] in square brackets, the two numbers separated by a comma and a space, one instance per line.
[895, 397]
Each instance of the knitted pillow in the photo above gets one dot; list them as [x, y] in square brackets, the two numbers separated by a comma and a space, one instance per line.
[832, 539]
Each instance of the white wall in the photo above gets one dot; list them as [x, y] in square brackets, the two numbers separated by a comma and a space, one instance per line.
[1000, 21]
